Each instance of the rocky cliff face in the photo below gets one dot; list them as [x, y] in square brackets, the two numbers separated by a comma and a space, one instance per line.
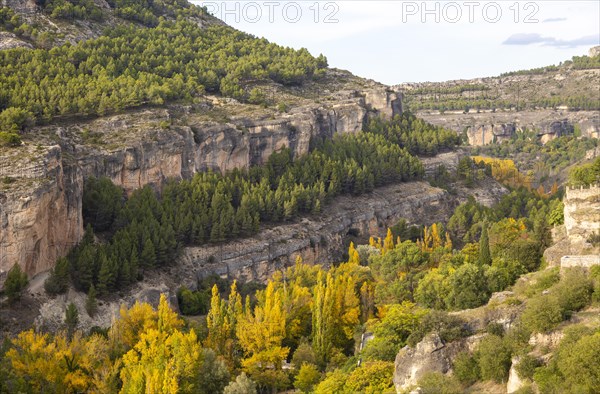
[487, 127]
[40, 198]
[321, 239]
[40, 215]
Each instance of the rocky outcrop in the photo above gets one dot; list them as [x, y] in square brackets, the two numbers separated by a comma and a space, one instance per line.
[489, 133]
[321, 239]
[514, 381]
[429, 355]
[40, 215]
[21, 6]
[52, 312]
[486, 127]
[40, 203]
[10, 41]
[555, 129]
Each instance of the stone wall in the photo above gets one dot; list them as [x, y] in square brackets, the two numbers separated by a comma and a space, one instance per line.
[582, 212]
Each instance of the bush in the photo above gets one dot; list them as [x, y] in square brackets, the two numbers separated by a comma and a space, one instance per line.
[538, 282]
[494, 358]
[373, 377]
[9, 139]
[466, 369]
[380, 349]
[542, 313]
[438, 383]
[574, 291]
[448, 327]
[527, 366]
[495, 329]
[333, 383]
[595, 276]
[575, 366]
[192, 302]
[304, 354]
[241, 385]
[392, 332]
[308, 376]
[468, 287]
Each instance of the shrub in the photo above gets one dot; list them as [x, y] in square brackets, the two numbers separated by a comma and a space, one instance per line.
[494, 358]
[374, 377]
[241, 385]
[466, 369]
[575, 366]
[574, 291]
[392, 332]
[595, 276]
[495, 329]
[448, 327]
[542, 313]
[538, 282]
[304, 354]
[307, 378]
[9, 139]
[438, 383]
[527, 366]
[333, 383]
[468, 287]
[192, 302]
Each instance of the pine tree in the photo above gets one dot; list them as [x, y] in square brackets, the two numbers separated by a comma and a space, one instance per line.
[148, 256]
[485, 257]
[71, 319]
[106, 275]
[58, 281]
[133, 266]
[15, 283]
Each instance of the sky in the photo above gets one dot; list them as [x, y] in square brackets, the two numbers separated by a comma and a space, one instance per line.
[416, 41]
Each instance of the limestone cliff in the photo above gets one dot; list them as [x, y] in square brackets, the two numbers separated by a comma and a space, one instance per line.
[321, 239]
[42, 181]
[487, 127]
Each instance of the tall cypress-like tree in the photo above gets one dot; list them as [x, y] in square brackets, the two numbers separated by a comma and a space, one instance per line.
[485, 257]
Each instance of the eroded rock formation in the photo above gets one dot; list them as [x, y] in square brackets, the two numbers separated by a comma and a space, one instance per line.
[40, 198]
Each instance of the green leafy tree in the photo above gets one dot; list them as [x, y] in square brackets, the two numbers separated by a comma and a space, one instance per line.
[494, 358]
[308, 376]
[241, 385]
[542, 313]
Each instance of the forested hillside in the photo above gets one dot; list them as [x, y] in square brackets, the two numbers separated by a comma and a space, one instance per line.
[310, 318]
[148, 230]
[129, 65]
[571, 84]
